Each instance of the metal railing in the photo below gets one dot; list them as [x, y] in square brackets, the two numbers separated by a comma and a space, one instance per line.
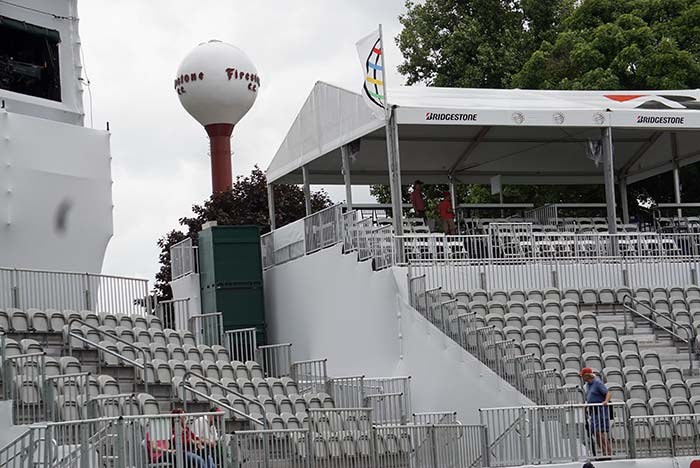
[556, 433]
[347, 392]
[357, 444]
[666, 436]
[207, 329]
[183, 259]
[137, 366]
[66, 396]
[387, 408]
[22, 451]
[690, 333]
[400, 385]
[174, 313]
[518, 259]
[186, 385]
[25, 289]
[435, 418]
[323, 228]
[349, 219]
[275, 360]
[241, 344]
[24, 383]
[311, 375]
[105, 406]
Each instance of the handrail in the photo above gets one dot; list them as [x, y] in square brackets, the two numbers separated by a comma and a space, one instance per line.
[6, 457]
[99, 347]
[209, 398]
[685, 327]
[219, 323]
[111, 335]
[224, 388]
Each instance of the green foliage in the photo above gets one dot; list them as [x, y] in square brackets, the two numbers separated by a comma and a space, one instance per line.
[245, 203]
[620, 44]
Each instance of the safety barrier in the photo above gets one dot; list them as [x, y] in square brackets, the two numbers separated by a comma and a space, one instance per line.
[275, 360]
[665, 436]
[400, 385]
[435, 418]
[347, 392]
[310, 375]
[556, 433]
[183, 259]
[174, 313]
[349, 235]
[323, 228]
[107, 406]
[208, 329]
[354, 443]
[387, 408]
[526, 260]
[241, 344]
[66, 396]
[25, 289]
[24, 383]
[25, 449]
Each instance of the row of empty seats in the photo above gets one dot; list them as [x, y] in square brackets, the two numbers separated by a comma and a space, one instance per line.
[585, 296]
[54, 321]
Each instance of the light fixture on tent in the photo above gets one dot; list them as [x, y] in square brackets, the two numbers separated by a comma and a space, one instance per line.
[217, 84]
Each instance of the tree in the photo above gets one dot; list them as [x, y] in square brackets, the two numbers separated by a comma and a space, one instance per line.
[474, 43]
[620, 44]
[245, 203]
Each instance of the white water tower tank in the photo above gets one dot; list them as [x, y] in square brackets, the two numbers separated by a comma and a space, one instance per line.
[217, 84]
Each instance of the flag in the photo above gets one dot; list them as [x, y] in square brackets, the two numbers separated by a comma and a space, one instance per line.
[370, 51]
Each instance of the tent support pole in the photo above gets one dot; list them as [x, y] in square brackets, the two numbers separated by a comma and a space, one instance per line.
[676, 171]
[271, 206]
[307, 189]
[345, 156]
[392, 152]
[609, 177]
[624, 201]
[453, 200]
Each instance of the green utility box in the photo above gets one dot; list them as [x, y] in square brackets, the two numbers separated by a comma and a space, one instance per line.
[230, 276]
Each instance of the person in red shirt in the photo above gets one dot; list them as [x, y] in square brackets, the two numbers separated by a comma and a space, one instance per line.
[447, 215]
[417, 201]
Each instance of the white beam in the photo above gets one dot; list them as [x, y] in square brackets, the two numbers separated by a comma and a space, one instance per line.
[345, 156]
[609, 177]
[271, 206]
[307, 189]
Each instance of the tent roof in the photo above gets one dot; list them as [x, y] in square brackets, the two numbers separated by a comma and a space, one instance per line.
[527, 137]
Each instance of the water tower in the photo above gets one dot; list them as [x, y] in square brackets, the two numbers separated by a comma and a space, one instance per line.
[217, 84]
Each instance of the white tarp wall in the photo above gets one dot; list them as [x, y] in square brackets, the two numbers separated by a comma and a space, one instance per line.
[55, 195]
[329, 305]
[62, 17]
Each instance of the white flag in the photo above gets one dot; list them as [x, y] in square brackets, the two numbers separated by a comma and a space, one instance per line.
[370, 51]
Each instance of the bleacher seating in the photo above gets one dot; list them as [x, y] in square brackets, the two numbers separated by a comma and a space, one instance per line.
[571, 329]
[170, 355]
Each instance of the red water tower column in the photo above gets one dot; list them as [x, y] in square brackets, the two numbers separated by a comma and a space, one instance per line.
[220, 149]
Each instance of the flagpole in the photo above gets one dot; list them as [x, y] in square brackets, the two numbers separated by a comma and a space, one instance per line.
[387, 108]
[392, 147]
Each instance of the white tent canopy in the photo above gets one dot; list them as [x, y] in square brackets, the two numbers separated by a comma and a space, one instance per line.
[527, 137]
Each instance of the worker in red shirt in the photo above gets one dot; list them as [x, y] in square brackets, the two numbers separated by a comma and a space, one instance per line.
[447, 215]
[417, 201]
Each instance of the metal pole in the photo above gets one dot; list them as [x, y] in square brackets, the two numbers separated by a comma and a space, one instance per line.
[624, 201]
[345, 156]
[307, 189]
[677, 186]
[271, 205]
[392, 152]
[676, 171]
[609, 178]
[453, 199]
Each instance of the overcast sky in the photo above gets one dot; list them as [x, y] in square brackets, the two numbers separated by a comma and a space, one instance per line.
[132, 49]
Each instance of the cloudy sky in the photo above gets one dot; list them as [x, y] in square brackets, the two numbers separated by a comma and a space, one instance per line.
[160, 167]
